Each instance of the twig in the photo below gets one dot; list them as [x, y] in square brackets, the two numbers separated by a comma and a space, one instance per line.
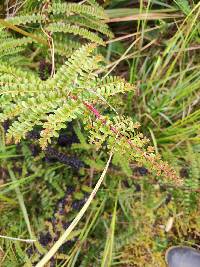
[18, 239]
[146, 16]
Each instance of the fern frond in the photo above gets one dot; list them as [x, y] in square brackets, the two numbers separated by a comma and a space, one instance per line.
[16, 74]
[67, 8]
[14, 90]
[76, 30]
[22, 108]
[3, 33]
[27, 86]
[70, 110]
[98, 133]
[133, 148]
[66, 96]
[126, 126]
[32, 113]
[112, 85]
[78, 65]
[89, 22]
[65, 46]
[23, 20]
[9, 110]
[9, 46]
[5, 101]
[15, 82]
[31, 100]
[34, 99]
[83, 21]
[11, 53]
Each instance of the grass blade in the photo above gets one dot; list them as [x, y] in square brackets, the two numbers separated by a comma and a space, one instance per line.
[61, 240]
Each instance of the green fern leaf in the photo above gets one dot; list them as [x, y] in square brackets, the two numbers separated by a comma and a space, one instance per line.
[23, 20]
[78, 65]
[9, 46]
[89, 22]
[67, 112]
[76, 30]
[67, 8]
[112, 85]
[31, 113]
